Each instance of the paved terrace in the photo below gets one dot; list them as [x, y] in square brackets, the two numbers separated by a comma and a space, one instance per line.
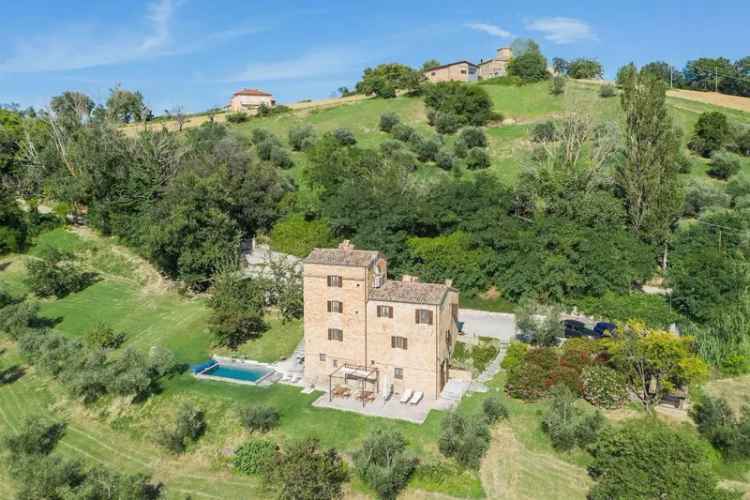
[392, 408]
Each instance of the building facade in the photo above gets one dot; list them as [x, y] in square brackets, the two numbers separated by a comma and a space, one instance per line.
[355, 317]
[498, 66]
[462, 71]
[249, 100]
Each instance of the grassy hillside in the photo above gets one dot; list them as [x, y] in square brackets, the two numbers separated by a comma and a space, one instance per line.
[508, 144]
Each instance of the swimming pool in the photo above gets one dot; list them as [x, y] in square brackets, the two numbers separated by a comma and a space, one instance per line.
[237, 372]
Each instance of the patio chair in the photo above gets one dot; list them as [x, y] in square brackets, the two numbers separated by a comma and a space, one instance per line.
[346, 393]
[416, 398]
[406, 396]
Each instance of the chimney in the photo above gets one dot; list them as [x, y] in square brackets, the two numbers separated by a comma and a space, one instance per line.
[346, 246]
[408, 278]
[448, 282]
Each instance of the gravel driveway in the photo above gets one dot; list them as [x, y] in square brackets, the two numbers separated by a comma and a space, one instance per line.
[488, 324]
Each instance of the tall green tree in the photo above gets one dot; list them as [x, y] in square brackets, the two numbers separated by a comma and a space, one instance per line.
[125, 105]
[648, 175]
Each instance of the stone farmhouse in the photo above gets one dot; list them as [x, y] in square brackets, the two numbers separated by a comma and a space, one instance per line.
[250, 100]
[465, 71]
[391, 335]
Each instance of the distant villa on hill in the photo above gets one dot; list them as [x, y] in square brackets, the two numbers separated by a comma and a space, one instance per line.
[465, 71]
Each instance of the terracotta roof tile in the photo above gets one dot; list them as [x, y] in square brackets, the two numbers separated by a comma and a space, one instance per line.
[339, 257]
[253, 92]
[411, 292]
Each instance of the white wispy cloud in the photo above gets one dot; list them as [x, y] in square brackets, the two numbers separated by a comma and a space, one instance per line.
[84, 46]
[490, 29]
[313, 64]
[562, 30]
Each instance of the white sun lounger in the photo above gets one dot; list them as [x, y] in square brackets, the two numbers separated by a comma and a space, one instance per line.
[296, 378]
[407, 396]
[416, 398]
[287, 377]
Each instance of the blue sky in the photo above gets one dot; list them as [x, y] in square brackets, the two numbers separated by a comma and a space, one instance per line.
[195, 53]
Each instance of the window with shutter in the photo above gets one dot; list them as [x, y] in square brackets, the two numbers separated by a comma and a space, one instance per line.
[335, 334]
[335, 282]
[334, 306]
[385, 312]
[423, 316]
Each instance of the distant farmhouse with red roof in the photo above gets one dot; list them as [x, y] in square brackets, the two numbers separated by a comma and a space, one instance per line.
[250, 100]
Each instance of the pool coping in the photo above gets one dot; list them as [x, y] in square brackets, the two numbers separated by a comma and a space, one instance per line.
[219, 360]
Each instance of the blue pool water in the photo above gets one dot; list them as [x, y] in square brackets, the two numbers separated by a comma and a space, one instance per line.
[248, 374]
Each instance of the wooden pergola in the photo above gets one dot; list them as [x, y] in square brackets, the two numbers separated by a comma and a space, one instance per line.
[361, 374]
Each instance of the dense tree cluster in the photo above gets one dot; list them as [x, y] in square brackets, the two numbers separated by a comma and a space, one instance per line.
[385, 79]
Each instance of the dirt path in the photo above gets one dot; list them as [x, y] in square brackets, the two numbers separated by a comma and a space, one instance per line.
[510, 471]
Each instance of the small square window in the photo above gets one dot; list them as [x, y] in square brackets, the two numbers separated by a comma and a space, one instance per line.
[398, 373]
[335, 363]
[423, 317]
[335, 334]
[385, 312]
[399, 343]
[322, 356]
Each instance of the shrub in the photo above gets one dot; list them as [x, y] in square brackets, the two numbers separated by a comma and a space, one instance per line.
[280, 157]
[460, 148]
[56, 273]
[482, 354]
[710, 134]
[700, 195]
[558, 85]
[738, 186]
[259, 418]
[672, 458]
[402, 132]
[344, 136]
[36, 436]
[388, 121]
[724, 164]
[583, 68]
[604, 387]
[607, 90]
[530, 379]
[189, 425]
[255, 456]
[544, 132]
[445, 159]
[566, 425]
[305, 471]
[384, 464]
[683, 162]
[104, 336]
[651, 309]
[299, 137]
[473, 137]
[477, 159]
[496, 116]
[494, 410]
[514, 355]
[18, 319]
[238, 117]
[259, 135]
[507, 80]
[464, 438]
[447, 123]
[717, 423]
[264, 149]
[425, 149]
[742, 142]
[457, 104]
[296, 235]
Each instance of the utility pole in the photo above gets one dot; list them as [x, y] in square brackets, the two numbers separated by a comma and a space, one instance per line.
[671, 71]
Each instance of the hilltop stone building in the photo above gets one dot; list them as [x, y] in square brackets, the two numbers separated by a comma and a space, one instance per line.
[498, 66]
[465, 71]
[462, 71]
[250, 100]
[399, 332]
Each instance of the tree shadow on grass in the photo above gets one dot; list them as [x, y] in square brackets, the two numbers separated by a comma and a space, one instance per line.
[42, 322]
[11, 374]
[4, 265]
